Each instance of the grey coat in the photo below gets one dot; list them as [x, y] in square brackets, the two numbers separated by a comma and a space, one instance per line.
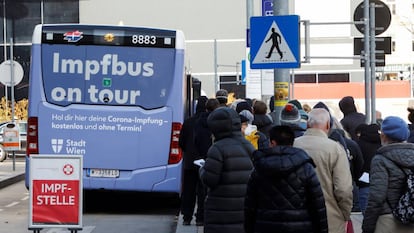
[387, 181]
[225, 173]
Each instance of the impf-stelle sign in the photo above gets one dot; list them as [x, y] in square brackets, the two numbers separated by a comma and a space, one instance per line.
[55, 191]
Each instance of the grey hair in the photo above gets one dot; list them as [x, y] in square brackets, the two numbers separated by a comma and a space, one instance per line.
[318, 117]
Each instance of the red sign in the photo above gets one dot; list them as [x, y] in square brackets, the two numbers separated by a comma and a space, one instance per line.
[56, 201]
[55, 191]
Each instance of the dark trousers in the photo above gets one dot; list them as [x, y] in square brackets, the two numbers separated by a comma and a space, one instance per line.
[193, 190]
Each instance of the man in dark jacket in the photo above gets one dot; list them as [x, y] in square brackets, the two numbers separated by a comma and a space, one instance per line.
[369, 142]
[284, 193]
[387, 179]
[351, 118]
[191, 181]
[225, 173]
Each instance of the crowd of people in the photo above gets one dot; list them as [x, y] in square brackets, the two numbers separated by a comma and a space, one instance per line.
[305, 174]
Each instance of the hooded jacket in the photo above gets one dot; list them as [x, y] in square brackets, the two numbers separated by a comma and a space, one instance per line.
[284, 194]
[263, 122]
[387, 181]
[352, 119]
[225, 173]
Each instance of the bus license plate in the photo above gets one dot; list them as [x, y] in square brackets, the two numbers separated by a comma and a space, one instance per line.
[112, 173]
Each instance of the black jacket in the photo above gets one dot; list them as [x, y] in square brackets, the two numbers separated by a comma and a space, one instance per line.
[387, 181]
[369, 142]
[352, 119]
[186, 142]
[284, 194]
[187, 136]
[203, 137]
[225, 173]
[264, 123]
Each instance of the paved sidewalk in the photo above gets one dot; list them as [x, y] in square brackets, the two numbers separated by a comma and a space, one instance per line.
[9, 176]
[187, 229]
[356, 220]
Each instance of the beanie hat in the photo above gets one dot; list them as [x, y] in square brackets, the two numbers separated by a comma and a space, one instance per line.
[395, 128]
[222, 94]
[243, 105]
[290, 115]
[248, 115]
[296, 103]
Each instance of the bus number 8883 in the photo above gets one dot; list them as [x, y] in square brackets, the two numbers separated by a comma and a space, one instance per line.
[144, 39]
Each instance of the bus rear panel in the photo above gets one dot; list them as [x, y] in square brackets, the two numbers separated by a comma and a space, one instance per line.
[114, 95]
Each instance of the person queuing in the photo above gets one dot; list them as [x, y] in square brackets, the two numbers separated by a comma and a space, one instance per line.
[262, 120]
[225, 173]
[351, 118]
[369, 142]
[332, 168]
[192, 186]
[387, 180]
[284, 193]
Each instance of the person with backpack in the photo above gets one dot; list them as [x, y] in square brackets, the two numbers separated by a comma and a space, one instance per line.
[388, 178]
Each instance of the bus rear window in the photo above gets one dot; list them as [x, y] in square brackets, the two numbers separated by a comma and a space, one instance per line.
[107, 75]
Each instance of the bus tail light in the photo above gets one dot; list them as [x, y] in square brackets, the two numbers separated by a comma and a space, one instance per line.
[32, 146]
[175, 150]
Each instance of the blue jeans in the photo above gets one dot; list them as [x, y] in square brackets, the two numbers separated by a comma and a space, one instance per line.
[363, 198]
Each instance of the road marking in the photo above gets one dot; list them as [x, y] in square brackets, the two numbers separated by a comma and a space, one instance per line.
[12, 204]
[24, 198]
[86, 229]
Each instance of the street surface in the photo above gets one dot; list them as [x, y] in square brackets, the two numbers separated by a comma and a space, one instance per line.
[104, 212]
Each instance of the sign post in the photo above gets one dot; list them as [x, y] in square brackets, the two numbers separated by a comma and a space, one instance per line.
[55, 192]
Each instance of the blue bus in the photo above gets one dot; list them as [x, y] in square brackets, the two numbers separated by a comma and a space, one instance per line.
[117, 96]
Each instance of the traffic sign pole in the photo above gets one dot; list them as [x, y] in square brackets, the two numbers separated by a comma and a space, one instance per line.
[281, 76]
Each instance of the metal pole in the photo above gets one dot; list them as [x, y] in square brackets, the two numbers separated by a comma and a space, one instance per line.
[216, 78]
[307, 41]
[12, 78]
[12, 92]
[367, 62]
[280, 7]
[5, 50]
[372, 60]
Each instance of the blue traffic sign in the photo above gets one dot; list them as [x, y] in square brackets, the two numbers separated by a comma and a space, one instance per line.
[275, 42]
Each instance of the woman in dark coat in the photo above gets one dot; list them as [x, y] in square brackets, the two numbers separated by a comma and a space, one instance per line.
[225, 173]
[284, 193]
[387, 178]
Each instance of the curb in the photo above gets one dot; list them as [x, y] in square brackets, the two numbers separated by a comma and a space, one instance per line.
[11, 180]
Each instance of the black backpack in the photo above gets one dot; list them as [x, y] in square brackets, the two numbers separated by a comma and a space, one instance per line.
[404, 210]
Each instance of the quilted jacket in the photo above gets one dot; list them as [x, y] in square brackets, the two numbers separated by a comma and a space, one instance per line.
[284, 194]
[225, 173]
[387, 181]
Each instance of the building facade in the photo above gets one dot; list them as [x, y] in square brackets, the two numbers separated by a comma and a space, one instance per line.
[216, 35]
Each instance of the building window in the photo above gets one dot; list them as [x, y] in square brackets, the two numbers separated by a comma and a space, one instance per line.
[66, 11]
[333, 78]
[305, 78]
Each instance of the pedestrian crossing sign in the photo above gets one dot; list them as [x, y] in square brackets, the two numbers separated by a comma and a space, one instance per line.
[275, 42]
